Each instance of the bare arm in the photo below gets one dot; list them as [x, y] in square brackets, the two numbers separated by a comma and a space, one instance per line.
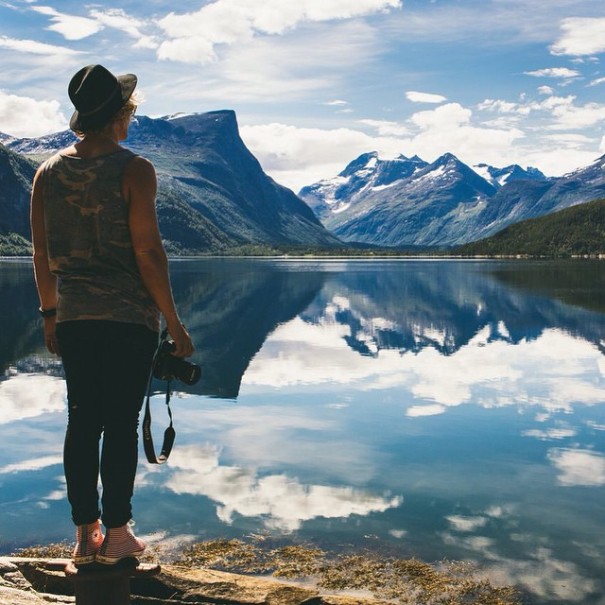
[46, 282]
[139, 187]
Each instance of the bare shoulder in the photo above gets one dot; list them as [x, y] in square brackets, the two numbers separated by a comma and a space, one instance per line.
[139, 179]
[39, 172]
[140, 167]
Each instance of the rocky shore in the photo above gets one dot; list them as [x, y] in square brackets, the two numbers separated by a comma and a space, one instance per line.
[32, 581]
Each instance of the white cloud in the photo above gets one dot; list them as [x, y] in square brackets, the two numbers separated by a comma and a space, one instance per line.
[337, 103]
[505, 107]
[579, 467]
[581, 36]
[73, 27]
[117, 18]
[386, 128]
[597, 81]
[36, 48]
[449, 128]
[27, 117]
[568, 115]
[553, 72]
[70, 27]
[424, 97]
[546, 90]
[193, 36]
[188, 50]
[452, 115]
[308, 64]
[563, 112]
[299, 156]
[284, 503]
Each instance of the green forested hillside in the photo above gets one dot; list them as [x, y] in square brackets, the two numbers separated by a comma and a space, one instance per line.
[574, 231]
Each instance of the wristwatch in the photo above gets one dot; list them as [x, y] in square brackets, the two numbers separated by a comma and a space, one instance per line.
[47, 312]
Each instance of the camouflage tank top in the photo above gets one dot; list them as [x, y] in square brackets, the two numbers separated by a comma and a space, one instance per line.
[88, 238]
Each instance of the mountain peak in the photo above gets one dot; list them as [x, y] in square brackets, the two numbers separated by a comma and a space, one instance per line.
[364, 161]
[498, 177]
[446, 158]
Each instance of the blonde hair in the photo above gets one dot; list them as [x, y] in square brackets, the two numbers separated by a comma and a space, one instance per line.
[126, 111]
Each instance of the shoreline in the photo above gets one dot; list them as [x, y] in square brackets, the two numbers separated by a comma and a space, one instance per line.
[259, 572]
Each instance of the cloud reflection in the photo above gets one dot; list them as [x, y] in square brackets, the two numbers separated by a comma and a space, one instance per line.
[553, 372]
[33, 464]
[578, 467]
[30, 395]
[282, 502]
[543, 573]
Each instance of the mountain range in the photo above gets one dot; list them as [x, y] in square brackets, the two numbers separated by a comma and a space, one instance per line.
[214, 197]
[410, 202]
[212, 192]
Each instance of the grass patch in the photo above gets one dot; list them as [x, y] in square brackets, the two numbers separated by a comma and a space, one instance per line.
[405, 581]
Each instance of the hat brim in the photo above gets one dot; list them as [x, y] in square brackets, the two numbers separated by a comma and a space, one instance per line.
[78, 123]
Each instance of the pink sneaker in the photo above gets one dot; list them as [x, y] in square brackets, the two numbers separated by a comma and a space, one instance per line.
[89, 539]
[120, 543]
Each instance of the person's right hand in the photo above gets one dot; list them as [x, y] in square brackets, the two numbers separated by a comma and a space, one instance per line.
[182, 341]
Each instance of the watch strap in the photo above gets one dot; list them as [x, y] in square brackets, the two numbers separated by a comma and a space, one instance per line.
[47, 312]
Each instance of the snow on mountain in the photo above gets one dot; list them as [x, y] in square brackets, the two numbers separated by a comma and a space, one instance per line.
[6, 139]
[498, 177]
[441, 204]
[42, 145]
[367, 173]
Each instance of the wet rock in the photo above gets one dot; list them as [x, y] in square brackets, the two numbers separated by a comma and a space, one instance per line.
[15, 596]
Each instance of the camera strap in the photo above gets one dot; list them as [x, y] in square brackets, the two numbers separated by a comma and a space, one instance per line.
[169, 433]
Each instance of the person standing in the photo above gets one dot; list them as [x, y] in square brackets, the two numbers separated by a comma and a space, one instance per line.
[102, 278]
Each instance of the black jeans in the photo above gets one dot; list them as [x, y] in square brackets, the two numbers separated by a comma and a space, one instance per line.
[107, 367]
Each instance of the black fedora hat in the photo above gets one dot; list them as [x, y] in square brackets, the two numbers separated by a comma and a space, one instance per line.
[97, 95]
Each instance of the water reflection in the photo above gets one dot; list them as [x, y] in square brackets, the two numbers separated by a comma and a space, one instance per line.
[444, 409]
[281, 501]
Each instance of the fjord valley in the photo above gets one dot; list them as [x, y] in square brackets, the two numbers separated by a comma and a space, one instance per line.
[215, 198]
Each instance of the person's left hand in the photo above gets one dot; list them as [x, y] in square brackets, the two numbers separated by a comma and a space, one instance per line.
[50, 335]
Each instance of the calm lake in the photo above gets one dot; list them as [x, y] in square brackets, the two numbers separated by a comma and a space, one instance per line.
[437, 409]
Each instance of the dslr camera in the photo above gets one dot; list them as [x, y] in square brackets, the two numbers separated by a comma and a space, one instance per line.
[168, 367]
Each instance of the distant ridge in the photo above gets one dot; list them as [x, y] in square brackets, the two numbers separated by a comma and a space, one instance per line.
[575, 231]
[409, 202]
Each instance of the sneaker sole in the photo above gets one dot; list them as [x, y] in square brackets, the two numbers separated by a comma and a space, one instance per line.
[84, 560]
[105, 560]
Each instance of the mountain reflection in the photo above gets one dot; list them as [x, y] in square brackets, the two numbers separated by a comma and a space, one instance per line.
[231, 306]
[444, 305]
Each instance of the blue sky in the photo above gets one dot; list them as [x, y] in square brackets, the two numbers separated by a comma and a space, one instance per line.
[317, 82]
